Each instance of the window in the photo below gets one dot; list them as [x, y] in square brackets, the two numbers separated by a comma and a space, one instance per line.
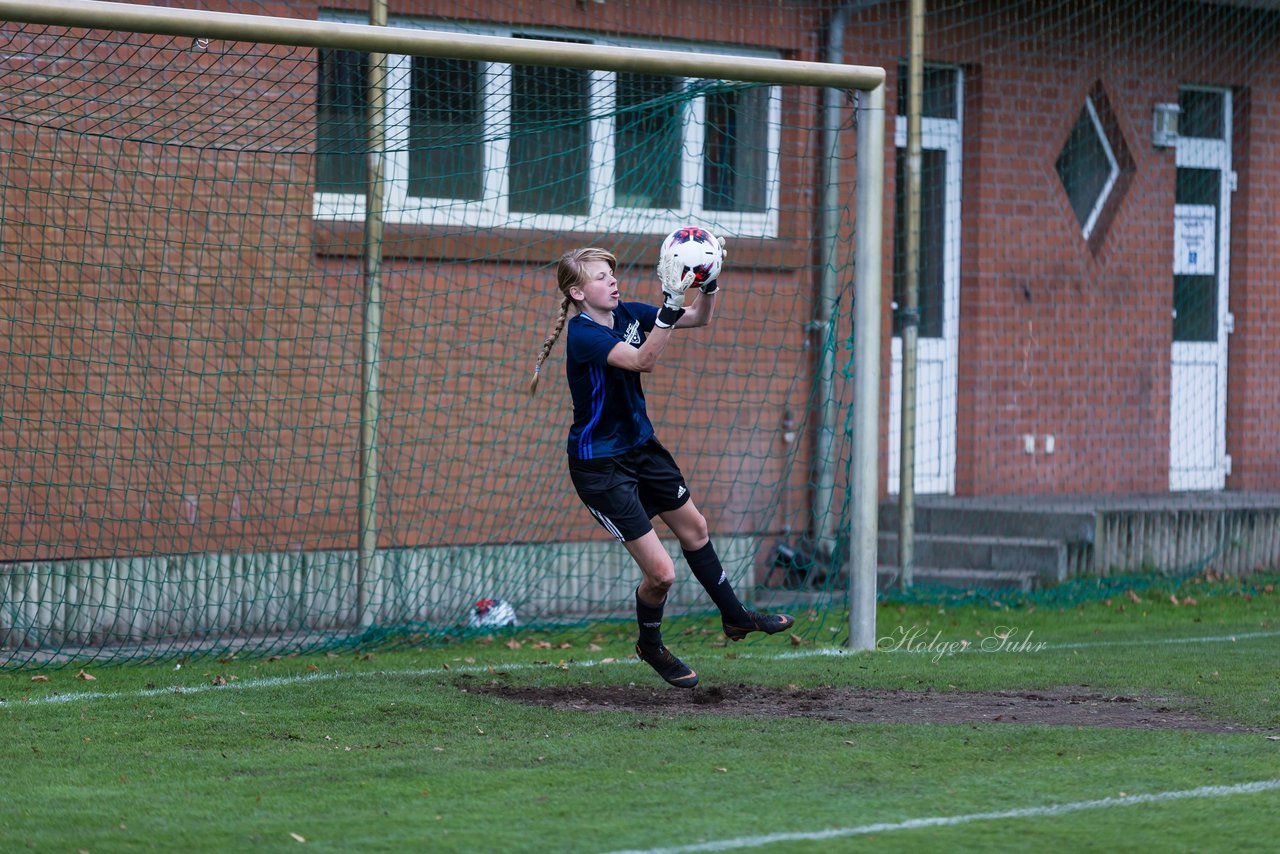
[735, 154]
[940, 99]
[473, 143]
[550, 155]
[446, 129]
[1201, 113]
[933, 217]
[342, 126]
[1087, 167]
[646, 142]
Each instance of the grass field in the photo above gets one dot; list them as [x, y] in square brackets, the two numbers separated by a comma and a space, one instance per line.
[410, 751]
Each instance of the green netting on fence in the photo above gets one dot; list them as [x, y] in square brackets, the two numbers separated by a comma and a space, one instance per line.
[184, 284]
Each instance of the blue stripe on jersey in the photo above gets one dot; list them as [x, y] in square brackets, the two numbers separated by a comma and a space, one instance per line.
[597, 409]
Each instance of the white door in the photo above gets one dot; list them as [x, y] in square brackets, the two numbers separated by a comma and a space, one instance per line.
[939, 299]
[1201, 317]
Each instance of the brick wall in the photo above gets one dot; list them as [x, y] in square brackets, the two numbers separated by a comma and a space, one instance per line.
[206, 397]
[1063, 336]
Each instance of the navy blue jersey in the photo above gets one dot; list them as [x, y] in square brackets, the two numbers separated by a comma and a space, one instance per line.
[609, 416]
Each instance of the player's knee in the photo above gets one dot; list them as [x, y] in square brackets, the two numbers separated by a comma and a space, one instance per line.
[661, 582]
[696, 533]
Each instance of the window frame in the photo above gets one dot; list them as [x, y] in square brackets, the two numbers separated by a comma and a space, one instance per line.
[493, 209]
[1113, 175]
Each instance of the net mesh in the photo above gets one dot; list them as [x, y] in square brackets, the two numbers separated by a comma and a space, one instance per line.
[183, 281]
[182, 376]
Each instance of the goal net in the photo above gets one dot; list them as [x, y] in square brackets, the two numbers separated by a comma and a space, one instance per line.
[191, 297]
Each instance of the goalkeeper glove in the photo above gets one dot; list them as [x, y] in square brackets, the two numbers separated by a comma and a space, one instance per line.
[710, 286]
[673, 290]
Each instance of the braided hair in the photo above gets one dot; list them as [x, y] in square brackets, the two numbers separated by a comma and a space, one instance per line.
[569, 274]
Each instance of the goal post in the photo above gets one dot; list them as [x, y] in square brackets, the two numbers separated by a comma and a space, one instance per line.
[46, 611]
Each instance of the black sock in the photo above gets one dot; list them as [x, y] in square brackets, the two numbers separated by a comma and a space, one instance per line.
[710, 574]
[650, 619]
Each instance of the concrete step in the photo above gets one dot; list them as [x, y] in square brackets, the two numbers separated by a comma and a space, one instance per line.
[963, 578]
[1047, 559]
[1072, 526]
[955, 578]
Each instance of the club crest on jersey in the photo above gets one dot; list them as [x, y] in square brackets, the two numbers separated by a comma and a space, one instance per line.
[632, 335]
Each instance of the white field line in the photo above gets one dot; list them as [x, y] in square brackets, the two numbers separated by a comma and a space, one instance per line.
[276, 681]
[952, 820]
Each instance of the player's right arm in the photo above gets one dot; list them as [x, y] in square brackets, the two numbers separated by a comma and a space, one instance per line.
[644, 358]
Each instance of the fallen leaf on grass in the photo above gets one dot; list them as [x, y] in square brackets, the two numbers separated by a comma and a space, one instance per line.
[39, 677]
[86, 676]
[796, 640]
[297, 837]
[540, 645]
[514, 644]
[723, 770]
[219, 680]
[311, 668]
[1133, 597]
[594, 647]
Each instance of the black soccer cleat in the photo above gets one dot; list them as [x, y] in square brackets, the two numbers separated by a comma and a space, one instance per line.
[770, 624]
[670, 668]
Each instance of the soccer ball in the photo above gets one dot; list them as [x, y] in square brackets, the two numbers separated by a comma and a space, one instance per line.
[697, 249]
[492, 613]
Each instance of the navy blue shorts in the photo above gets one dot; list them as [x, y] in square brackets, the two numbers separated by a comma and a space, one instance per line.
[624, 493]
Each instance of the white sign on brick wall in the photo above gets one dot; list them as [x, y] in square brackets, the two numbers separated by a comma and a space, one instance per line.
[1195, 240]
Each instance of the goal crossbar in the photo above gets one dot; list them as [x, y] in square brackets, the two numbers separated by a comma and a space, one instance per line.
[195, 23]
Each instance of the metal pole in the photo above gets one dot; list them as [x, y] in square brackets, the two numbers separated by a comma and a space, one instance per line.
[371, 331]
[910, 308]
[865, 457]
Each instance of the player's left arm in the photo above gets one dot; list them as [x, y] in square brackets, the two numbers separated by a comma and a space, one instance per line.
[700, 313]
[704, 307]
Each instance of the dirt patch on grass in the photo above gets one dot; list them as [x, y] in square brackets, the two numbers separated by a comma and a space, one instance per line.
[1057, 707]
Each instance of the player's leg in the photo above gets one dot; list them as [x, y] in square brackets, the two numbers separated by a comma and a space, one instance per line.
[738, 621]
[610, 490]
[658, 575]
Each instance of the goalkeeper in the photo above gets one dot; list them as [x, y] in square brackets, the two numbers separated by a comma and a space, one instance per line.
[621, 472]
